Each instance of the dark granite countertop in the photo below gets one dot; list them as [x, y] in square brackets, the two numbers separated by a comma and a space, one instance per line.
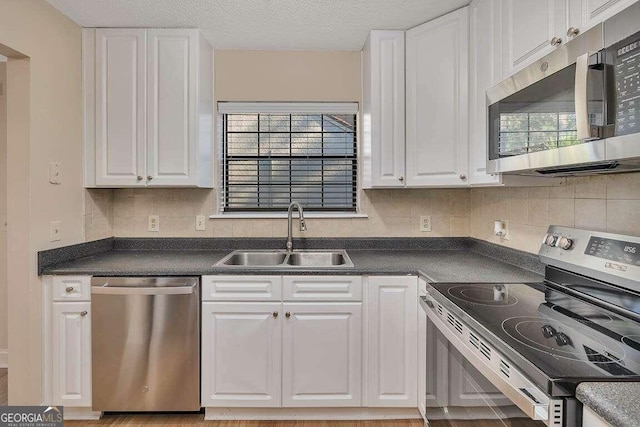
[615, 402]
[438, 260]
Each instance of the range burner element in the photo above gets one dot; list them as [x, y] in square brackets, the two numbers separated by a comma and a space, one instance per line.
[495, 295]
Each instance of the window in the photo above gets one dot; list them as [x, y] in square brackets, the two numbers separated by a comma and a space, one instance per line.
[528, 132]
[274, 154]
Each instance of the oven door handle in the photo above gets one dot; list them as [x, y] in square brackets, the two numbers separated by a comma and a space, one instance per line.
[520, 396]
[582, 98]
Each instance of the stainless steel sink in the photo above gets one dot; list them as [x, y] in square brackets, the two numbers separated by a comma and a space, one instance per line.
[283, 259]
[319, 259]
[257, 258]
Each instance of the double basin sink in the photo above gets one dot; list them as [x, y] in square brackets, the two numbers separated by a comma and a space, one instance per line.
[284, 259]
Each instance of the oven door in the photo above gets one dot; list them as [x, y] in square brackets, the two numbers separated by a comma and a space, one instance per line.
[468, 382]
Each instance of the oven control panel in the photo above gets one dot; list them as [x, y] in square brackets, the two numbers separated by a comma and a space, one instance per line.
[613, 258]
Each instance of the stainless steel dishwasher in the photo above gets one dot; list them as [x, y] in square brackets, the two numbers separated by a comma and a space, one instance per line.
[145, 344]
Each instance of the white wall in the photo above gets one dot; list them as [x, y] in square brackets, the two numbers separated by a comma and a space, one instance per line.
[3, 214]
[44, 110]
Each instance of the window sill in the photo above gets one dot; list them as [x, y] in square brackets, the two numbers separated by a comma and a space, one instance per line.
[283, 215]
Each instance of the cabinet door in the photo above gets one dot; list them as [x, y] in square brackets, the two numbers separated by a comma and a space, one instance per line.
[172, 112]
[71, 353]
[393, 341]
[485, 72]
[383, 110]
[468, 387]
[528, 30]
[322, 358]
[241, 354]
[120, 107]
[597, 11]
[437, 102]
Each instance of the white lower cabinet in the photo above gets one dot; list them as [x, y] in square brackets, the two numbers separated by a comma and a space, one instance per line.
[591, 419]
[71, 346]
[241, 354]
[322, 355]
[393, 341]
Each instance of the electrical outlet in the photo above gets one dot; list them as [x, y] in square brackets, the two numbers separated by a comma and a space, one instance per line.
[506, 235]
[55, 173]
[55, 233]
[425, 223]
[201, 224]
[154, 223]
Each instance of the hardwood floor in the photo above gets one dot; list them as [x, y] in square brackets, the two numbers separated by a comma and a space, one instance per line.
[4, 384]
[190, 420]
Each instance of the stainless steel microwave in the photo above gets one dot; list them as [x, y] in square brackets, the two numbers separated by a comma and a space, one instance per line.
[575, 111]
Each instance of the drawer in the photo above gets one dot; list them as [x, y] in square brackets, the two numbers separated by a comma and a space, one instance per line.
[71, 288]
[241, 288]
[322, 288]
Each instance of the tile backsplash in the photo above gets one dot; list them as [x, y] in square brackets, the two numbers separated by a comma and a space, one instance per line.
[124, 213]
[603, 203]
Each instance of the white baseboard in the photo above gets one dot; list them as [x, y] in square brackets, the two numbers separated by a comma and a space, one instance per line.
[345, 414]
[4, 358]
[77, 413]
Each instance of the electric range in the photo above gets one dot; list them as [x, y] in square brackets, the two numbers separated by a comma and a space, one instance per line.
[531, 344]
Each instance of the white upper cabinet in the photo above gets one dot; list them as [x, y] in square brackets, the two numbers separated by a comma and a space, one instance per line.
[485, 71]
[148, 101]
[531, 29]
[437, 96]
[596, 11]
[120, 69]
[383, 96]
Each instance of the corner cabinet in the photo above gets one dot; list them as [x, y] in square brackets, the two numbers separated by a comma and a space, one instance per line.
[148, 108]
[383, 103]
[437, 67]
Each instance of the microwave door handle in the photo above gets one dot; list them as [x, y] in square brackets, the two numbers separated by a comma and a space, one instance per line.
[581, 97]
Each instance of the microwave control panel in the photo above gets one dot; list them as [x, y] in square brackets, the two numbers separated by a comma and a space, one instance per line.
[627, 81]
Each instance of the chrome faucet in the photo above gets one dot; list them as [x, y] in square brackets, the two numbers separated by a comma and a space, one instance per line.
[303, 225]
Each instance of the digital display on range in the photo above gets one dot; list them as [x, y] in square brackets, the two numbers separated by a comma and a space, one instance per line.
[614, 250]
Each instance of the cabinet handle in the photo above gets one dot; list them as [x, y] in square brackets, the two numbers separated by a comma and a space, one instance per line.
[149, 177]
[84, 313]
[139, 178]
[275, 314]
[287, 314]
[69, 289]
[556, 41]
[463, 176]
[401, 179]
[572, 32]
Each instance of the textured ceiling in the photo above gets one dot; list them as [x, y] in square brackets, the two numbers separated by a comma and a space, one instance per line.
[263, 24]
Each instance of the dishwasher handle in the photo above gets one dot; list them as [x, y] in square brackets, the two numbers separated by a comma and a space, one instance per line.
[168, 290]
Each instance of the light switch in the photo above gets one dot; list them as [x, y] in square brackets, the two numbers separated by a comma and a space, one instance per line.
[56, 231]
[55, 173]
[200, 223]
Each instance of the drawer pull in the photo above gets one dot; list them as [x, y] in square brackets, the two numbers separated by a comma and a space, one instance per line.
[287, 314]
[275, 314]
[84, 313]
[69, 289]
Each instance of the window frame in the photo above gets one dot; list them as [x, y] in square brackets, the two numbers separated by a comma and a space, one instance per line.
[287, 108]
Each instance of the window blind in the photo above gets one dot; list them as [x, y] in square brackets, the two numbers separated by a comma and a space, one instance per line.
[273, 158]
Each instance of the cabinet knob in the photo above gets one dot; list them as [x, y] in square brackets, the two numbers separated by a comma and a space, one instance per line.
[401, 179]
[139, 178]
[275, 314]
[69, 289]
[288, 314]
[556, 41]
[149, 177]
[463, 176]
[572, 32]
[84, 313]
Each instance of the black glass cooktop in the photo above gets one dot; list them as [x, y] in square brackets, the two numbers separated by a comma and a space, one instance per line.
[566, 338]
